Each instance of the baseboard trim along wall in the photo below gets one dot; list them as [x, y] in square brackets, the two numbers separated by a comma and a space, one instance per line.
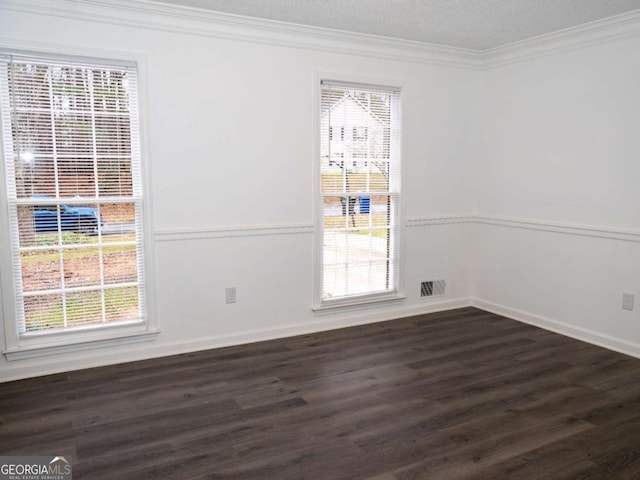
[98, 358]
[583, 334]
[48, 366]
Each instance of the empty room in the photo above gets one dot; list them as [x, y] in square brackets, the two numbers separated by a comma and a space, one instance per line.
[288, 239]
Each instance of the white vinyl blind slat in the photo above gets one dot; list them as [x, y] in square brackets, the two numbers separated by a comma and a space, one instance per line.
[74, 191]
[360, 181]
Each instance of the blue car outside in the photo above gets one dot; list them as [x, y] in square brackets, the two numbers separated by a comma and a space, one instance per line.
[79, 219]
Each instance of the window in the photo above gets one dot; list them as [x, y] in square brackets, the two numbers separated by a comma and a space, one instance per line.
[358, 247]
[72, 173]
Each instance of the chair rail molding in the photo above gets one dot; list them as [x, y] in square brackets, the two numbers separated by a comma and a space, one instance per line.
[231, 232]
[439, 220]
[597, 231]
[606, 232]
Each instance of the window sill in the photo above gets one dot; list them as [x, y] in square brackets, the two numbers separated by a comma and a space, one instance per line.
[41, 350]
[357, 304]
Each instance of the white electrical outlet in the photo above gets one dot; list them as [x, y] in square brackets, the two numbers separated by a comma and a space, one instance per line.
[627, 301]
[230, 295]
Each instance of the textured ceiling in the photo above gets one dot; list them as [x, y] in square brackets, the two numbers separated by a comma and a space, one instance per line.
[475, 24]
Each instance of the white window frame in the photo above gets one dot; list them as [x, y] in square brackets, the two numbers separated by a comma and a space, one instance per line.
[19, 346]
[323, 306]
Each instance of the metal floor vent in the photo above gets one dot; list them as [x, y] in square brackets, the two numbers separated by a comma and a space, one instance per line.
[432, 288]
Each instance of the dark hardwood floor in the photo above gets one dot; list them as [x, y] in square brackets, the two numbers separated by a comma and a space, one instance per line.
[463, 394]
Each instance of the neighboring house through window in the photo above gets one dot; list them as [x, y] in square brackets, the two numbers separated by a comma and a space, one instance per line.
[336, 133]
[360, 133]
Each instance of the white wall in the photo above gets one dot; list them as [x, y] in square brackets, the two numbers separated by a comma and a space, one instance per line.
[229, 126]
[562, 154]
[533, 165]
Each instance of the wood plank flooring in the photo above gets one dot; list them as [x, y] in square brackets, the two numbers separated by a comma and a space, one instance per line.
[463, 394]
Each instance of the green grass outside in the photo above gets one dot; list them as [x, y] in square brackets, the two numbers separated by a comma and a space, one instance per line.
[41, 240]
[46, 311]
[45, 256]
[82, 308]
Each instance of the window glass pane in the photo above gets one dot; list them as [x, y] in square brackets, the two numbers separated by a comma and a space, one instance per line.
[30, 86]
[69, 88]
[35, 176]
[120, 264]
[73, 133]
[79, 224]
[355, 278]
[119, 222]
[112, 135]
[379, 211]
[366, 277]
[40, 270]
[109, 92]
[76, 178]
[359, 170]
[32, 131]
[378, 176]
[81, 267]
[114, 177]
[43, 312]
[26, 225]
[83, 308]
[121, 303]
[68, 149]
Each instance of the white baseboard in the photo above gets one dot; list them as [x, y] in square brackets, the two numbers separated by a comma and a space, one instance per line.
[586, 335]
[99, 358]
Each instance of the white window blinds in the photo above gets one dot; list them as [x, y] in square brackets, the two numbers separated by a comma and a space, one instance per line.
[360, 189]
[72, 174]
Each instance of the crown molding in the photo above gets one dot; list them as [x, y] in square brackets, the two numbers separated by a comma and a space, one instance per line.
[152, 15]
[608, 29]
[193, 21]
